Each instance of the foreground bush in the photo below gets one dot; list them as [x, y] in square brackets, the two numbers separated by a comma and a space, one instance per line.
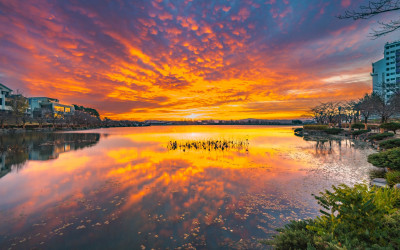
[386, 159]
[381, 136]
[392, 143]
[358, 126]
[352, 218]
[391, 126]
[392, 177]
[333, 131]
[372, 126]
[316, 127]
[298, 130]
[359, 132]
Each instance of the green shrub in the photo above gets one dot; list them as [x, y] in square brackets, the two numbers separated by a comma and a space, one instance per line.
[316, 127]
[389, 159]
[356, 217]
[298, 130]
[381, 136]
[294, 235]
[392, 177]
[391, 126]
[392, 143]
[358, 126]
[359, 132]
[372, 126]
[333, 131]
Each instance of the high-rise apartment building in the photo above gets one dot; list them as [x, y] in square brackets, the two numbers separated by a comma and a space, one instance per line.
[386, 72]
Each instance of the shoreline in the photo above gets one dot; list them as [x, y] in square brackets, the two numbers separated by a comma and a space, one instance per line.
[4, 131]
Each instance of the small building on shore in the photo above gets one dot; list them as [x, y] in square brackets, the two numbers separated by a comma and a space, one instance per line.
[40, 105]
[5, 93]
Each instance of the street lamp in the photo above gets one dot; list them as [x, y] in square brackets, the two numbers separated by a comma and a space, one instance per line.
[340, 118]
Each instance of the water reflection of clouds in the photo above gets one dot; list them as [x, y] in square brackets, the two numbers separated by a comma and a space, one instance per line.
[135, 184]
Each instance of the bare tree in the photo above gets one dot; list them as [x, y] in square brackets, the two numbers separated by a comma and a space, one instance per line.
[19, 106]
[366, 107]
[372, 9]
[384, 109]
[4, 116]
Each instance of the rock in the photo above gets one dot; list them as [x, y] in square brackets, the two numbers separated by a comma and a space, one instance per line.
[397, 186]
[379, 182]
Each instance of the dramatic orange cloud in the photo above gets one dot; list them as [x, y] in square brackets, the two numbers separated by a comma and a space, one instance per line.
[196, 59]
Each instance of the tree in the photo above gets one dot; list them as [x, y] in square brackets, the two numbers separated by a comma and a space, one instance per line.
[90, 111]
[4, 116]
[366, 107]
[45, 114]
[391, 126]
[384, 109]
[372, 9]
[19, 106]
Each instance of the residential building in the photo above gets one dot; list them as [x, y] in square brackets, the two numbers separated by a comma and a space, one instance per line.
[386, 72]
[38, 105]
[5, 93]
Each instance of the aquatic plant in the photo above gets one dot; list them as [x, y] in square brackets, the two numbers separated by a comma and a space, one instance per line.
[209, 145]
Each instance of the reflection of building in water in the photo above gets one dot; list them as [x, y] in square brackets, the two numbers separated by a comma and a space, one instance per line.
[16, 150]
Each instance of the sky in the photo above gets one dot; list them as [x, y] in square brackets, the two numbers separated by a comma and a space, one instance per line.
[188, 59]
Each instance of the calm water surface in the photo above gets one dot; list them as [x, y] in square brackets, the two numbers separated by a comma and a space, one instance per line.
[124, 188]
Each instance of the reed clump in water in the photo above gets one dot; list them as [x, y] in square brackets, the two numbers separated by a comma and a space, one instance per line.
[209, 145]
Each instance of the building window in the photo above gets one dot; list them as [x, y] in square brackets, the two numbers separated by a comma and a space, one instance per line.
[59, 109]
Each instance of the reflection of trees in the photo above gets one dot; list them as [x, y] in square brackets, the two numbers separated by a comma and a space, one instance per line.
[328, 145]
[16, 150]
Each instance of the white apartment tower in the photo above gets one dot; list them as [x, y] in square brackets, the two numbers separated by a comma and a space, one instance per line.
[386, 72]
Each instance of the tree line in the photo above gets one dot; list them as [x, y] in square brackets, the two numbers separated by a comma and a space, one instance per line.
[360, 110]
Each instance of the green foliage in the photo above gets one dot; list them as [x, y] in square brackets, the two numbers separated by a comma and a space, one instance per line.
[90, 111]
[333, 131]
[297, 122]
[294, 235]
[356, 217]
[392, 143]
[391, 126]
[392, 177]
[359, 132]
[372, 126]
[298, 130]
[389, 159]
[381, 136]
[358, 126]
[315, 127]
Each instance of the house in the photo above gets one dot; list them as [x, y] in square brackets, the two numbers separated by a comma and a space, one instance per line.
[39, 105]
[5, 93]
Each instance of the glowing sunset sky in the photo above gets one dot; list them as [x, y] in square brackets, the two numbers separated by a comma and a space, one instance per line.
[167, 59]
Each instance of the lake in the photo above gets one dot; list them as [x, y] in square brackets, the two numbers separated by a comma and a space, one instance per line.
[128, 188]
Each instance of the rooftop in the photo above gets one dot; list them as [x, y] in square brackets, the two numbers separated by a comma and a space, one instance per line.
[5, 87]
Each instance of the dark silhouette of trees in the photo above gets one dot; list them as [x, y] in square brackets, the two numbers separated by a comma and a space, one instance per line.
[374, 8]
